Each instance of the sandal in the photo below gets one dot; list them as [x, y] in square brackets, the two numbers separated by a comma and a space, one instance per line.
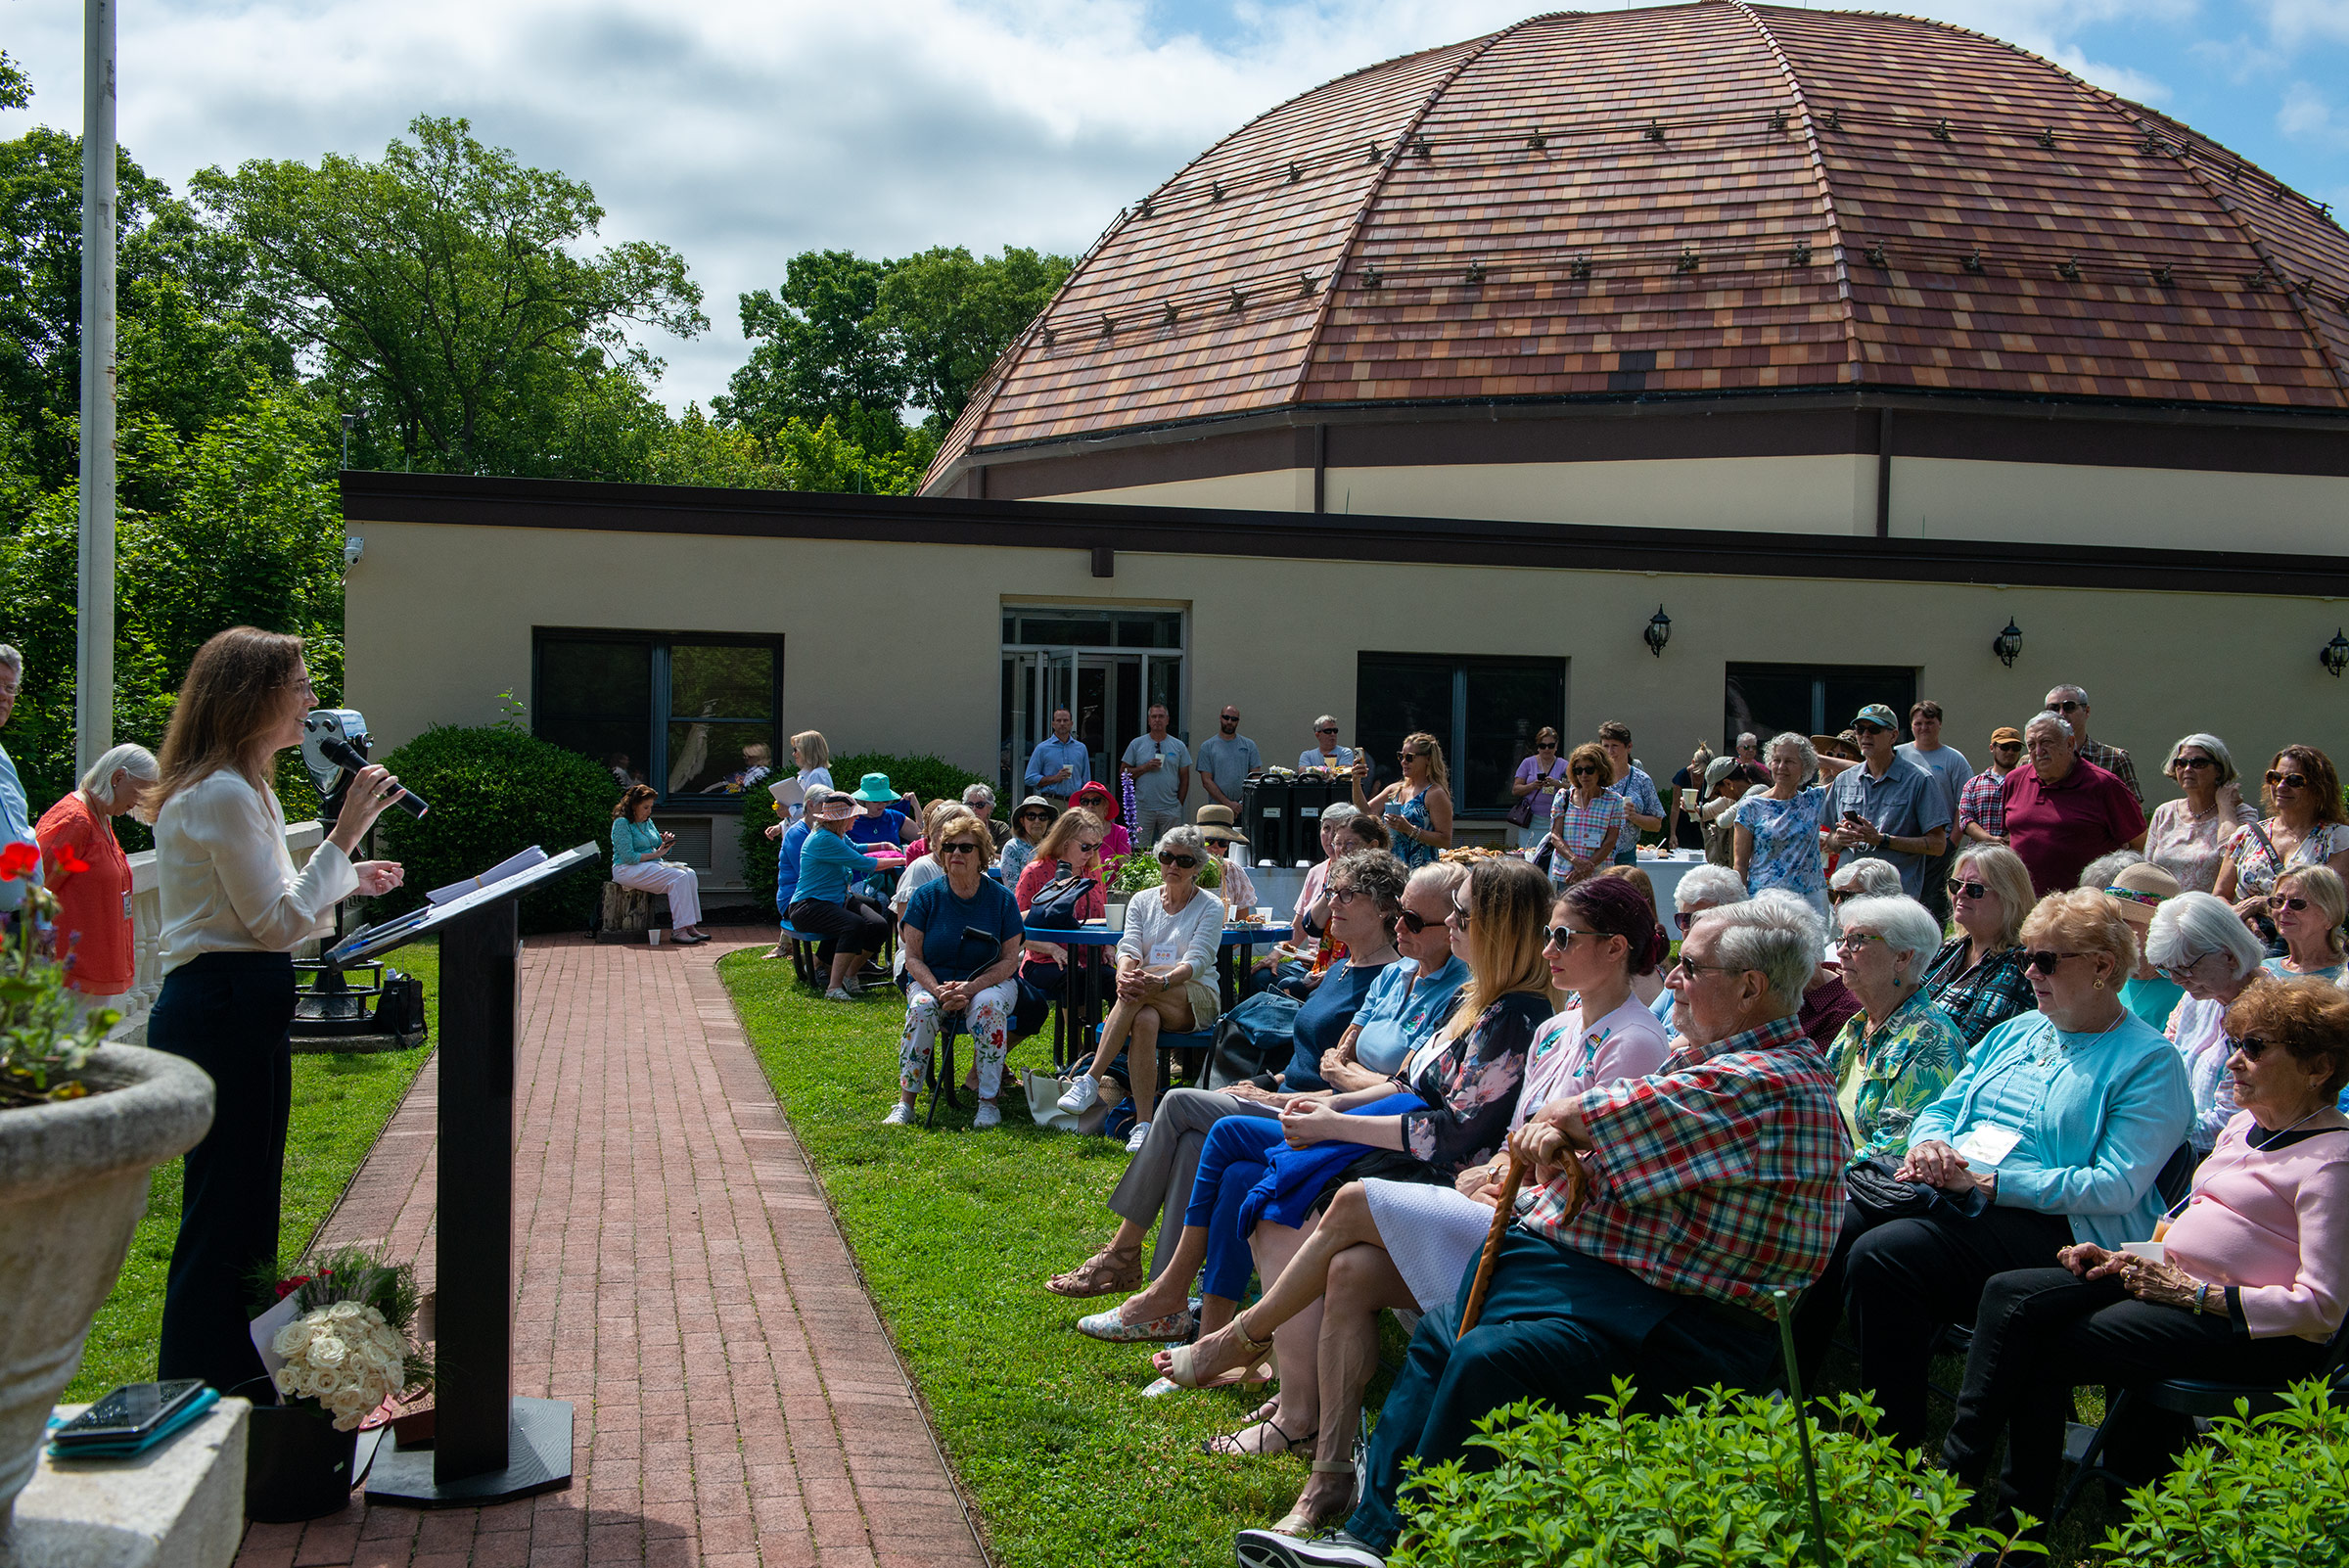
[1183, 1357]
[1303, 1526]
[1229, 1443]
[1101, 1275]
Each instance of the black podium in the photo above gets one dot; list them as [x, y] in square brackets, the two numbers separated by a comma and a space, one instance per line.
[487, 1446]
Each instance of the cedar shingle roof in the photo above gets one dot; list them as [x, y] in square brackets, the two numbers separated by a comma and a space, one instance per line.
[1717, 196]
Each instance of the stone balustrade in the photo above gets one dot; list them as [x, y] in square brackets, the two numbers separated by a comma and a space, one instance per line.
[146, 927]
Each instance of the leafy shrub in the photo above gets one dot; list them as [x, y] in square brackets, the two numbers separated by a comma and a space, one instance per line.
[2271, 1488]
[928, 777]
[1719, 1480]
[496, 790]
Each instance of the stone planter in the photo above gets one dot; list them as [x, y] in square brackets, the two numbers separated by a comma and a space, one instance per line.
[72, 1184]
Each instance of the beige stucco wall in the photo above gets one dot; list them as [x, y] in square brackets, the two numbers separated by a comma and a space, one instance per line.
[894, 647]
[1942, 498]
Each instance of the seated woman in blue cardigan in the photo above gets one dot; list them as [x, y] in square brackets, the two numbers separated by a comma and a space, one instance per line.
[636, 850]
[2053, 1134]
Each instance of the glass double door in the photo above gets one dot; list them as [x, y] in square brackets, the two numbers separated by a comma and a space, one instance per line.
[1108, 695]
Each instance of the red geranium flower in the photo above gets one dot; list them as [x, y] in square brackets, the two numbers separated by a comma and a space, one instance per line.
[17, 860]
[71, 864]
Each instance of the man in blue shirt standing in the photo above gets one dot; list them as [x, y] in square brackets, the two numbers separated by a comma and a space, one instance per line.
[1061, 766]
[16, 819]
[1886, 806]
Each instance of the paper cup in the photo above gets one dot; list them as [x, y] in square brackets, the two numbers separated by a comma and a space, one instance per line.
[1114, 916]
[652, 936]
[2150, 1251]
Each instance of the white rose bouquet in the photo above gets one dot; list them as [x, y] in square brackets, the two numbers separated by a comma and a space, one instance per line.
[350, 1349]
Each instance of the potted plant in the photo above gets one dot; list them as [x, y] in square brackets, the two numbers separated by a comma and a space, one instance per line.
[1123, 878]
[81, 1124]
[340, 1343]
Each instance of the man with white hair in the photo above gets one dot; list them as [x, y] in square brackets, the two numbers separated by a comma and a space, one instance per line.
[16, 818]
[2070, 703]
[2062, 812]
[1713, 1184]
[982, 802]
[1325, 751]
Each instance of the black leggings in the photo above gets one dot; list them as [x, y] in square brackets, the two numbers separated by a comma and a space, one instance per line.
[860, 924]
[2043, 1332]
[228, 1013]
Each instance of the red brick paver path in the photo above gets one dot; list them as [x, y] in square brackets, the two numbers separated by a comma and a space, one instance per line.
[736, 1403]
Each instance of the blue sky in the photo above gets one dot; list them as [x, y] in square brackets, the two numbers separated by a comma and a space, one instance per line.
[743, 131]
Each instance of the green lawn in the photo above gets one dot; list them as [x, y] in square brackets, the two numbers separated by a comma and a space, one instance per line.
[340, 1103]
[955, 1232]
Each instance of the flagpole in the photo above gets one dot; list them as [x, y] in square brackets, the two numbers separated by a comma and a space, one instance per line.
[94, 663]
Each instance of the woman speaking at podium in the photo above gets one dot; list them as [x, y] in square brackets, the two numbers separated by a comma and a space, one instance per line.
[233, 912]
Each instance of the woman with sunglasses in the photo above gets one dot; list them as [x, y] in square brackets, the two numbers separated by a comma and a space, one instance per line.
[1028, 825]
[2201, 944]
[2308, 827]
[960, 939]
[2247, 1286]
[1977, 978]
[2051, 1134]
[2187, 838]
[1587, 819]
[1417, 807]
[1538, 776]
[1166, 978]
[2307, 907]
[1777, 831]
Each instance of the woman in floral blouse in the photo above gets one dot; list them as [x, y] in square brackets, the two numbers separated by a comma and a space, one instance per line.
[1778, 830]
[2188, 838]
[1977, 978]
[2309, 827]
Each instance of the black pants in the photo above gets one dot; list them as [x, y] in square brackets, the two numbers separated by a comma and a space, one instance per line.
[1821, 1308]
[2043, 1332]
[228, 1013]
[861, 922]
[1905, 1279]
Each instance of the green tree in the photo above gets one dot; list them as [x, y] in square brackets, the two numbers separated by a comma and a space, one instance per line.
[440, 291]
[818, 353]
[950, 316]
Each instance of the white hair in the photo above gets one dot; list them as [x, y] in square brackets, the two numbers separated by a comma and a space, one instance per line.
[1798, 744]
[2075, 693]
[1776, 936]
[2099, 872]
[1708, 884]
[2219, 753]
[2186, 928]
[1183, 836]
[1338, 815]
[1869, 876]
[2054, 721]
[981, 798]
[136, 760]
[1907, 928]
[11, 658]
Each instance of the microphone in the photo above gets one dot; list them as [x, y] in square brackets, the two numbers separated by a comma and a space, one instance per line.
[344, 754]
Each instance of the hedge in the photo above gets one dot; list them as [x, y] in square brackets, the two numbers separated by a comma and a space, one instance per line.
[494, 791]
[928, 777]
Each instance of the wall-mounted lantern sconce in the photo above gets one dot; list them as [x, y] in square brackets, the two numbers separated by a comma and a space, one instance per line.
[2008, 643]
[2334, 655]
[1659, 632]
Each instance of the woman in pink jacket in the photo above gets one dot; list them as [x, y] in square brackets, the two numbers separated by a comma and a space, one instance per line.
[2250, 1285]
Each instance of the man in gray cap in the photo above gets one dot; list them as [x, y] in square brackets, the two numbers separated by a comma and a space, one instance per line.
[1887, 806]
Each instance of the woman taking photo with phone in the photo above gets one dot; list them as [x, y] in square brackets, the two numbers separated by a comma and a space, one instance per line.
[233, 912]
[1417, 807]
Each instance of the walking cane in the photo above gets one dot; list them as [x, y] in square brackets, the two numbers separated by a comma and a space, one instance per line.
[1578, 1191]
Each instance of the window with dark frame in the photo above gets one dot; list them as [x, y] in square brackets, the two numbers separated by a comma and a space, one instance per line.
[696, 716]
[1486, 712]
[1810, 698]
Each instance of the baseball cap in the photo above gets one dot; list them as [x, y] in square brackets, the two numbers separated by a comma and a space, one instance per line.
[2006, 735]
[1878, 715]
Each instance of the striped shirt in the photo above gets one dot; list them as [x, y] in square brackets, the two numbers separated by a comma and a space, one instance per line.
[1720, 1176]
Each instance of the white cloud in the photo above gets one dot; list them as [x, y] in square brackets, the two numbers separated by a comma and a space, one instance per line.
[2297, 22]
[2307, 116]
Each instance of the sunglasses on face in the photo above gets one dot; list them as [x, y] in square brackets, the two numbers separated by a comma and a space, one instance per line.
[2046, 964]
[1459, 911]
[1545, 745]
[1562, 936]
[1686, 919]
[1093, 848]
[2277, 901]
[1582, 773]
[1863, 731]
[2196, 762]
[2289, 781]
[1838, 894]
[958, 849]
[2008, 745]
[1416, 923]
[2067, 705]
[2252, 1047]
[1332, 731]
[1168, 858]
[1969, 890]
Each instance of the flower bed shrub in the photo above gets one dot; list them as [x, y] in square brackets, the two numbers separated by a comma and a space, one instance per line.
[928, 777]
[1717, 1480]
[2268, 1490]
[496, 790]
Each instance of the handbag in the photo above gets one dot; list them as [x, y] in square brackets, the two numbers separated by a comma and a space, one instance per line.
[1879, 1195]
[1522, 814]
[1259, 1035]
[1055, 904]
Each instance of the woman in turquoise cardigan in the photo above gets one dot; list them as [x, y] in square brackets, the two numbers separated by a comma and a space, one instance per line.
[636, 850]
[2053, 1133]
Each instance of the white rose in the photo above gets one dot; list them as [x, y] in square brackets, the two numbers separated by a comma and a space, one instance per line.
[342, 1312]
[327, 1351]
[323, 1383]
[284, 1378]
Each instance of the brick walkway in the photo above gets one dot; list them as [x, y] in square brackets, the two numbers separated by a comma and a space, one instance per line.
[737, 1404]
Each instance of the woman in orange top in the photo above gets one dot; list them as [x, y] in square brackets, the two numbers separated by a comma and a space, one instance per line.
[83, 864]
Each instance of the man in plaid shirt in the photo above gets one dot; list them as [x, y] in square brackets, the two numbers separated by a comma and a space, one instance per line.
[1982, 803]
[1713, 1184]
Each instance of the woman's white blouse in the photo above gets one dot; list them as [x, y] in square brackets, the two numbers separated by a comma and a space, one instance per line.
[228, 884]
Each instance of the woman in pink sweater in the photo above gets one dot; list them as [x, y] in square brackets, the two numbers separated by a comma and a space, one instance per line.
[2252, 1280]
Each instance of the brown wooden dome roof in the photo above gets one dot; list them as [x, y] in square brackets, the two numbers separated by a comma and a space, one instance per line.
[1715, 197]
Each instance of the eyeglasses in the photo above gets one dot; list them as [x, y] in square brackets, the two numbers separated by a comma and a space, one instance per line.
[1582, 773]
[1863, 731]
[2007, 746]
[1686, 919]
[2067, 705]
[2280, 902]
[2197, 762]
[1342, 897]
[958, 849]
[2252, 1047]
[1854, 941]
[1545, 745]
[2289, 781]
[1459, 910]
[1093, 848]
[1838, 894]
[1231, 719]
[2046, 964]
[1331, 731]
[1969, 890]
[1416, 922]
[1695, 968]
[1168, 858]
[2179, 972]
[1562, 936]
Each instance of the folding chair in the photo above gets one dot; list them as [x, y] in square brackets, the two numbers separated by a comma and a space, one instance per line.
[939, 1073]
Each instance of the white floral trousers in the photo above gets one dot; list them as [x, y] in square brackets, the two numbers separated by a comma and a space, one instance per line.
[989, 1020]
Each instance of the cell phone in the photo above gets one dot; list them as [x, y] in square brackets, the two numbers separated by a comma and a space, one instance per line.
[129, 1413]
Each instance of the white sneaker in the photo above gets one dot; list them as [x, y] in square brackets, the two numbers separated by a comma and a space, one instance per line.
[836, 994]
[989, 1115]
[1267, 1548]
[1082, 1095]
[1137, 1137]
[899, 1115]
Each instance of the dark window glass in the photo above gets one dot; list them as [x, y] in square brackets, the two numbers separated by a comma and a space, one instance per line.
[596, 698]
[694, 718]
[1483, 712]
[1810, 698]
[719, 681]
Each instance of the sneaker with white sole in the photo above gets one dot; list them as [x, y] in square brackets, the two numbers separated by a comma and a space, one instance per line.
[899, 1115]
[1137, 1137]
[1082, 1095]
[988, 1115]
[836, 994]
[1268, 1549]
